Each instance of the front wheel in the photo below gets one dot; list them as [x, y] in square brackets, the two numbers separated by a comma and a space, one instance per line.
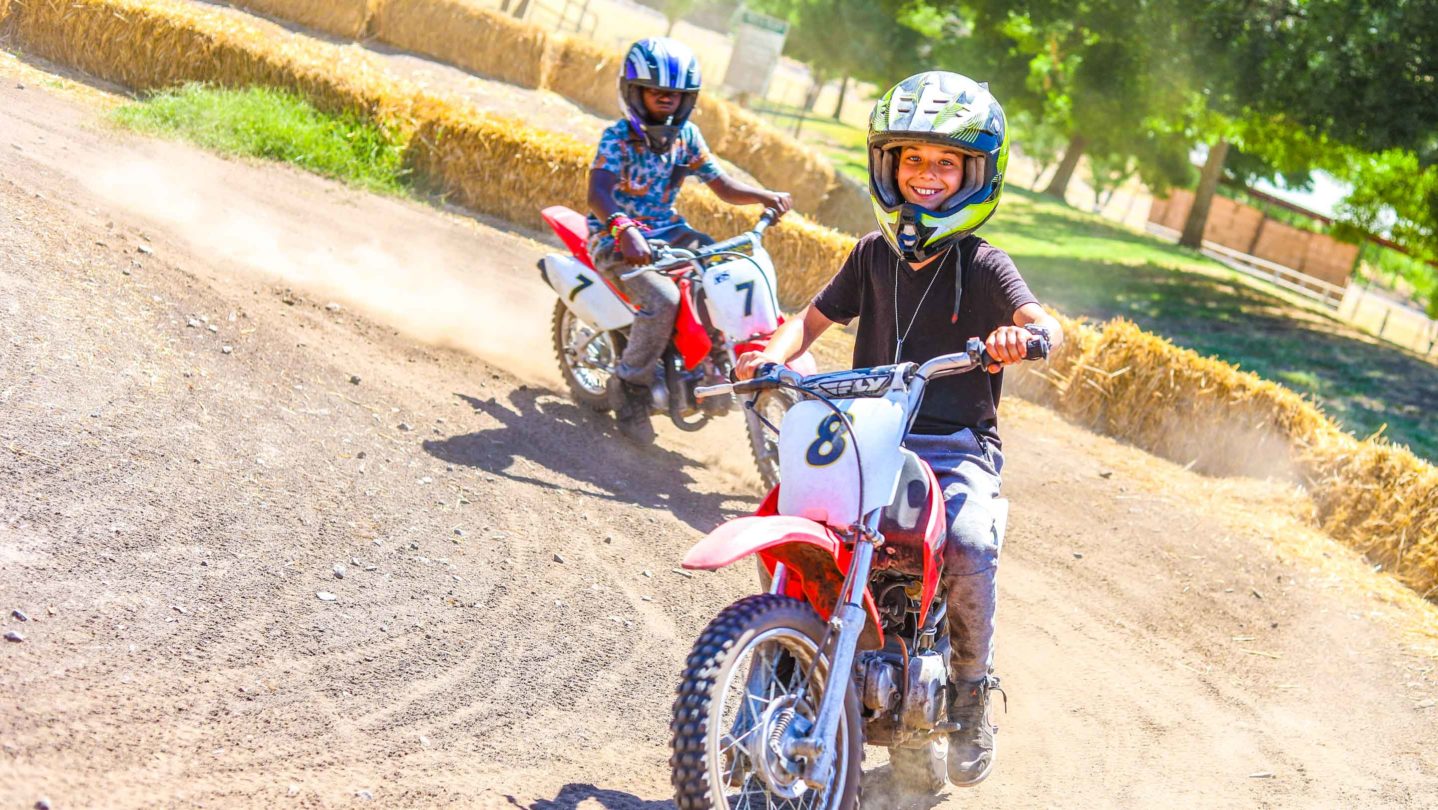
[754, 672]
[771, 404]
[587, 357]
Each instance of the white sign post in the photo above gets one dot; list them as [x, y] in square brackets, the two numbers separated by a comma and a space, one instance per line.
[758, 42]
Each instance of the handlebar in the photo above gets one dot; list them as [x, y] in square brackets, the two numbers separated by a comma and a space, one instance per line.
[843, 384]
[670, 257]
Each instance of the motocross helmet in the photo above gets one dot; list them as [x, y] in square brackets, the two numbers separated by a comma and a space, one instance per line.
[665, 64]
[949, 110]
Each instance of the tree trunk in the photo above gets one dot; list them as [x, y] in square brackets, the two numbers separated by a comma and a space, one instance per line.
[673, 21]
[521, 9]
[1203, 196]
[843, 92]
[1059, 183]
[816, 86]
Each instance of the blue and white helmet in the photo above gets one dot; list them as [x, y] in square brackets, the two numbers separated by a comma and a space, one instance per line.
[666, 64]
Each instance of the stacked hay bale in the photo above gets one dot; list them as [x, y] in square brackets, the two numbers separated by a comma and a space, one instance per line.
[585, 74]
[343, 18]
[154, 44]
[464, 33]
[499, 166]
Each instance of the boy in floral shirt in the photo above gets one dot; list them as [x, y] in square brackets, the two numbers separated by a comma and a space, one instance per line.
[637, 172]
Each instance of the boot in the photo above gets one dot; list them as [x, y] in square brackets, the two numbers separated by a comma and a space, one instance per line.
[631, 409]
[971, 748]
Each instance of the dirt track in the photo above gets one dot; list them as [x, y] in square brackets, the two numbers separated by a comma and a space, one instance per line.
[168, 512]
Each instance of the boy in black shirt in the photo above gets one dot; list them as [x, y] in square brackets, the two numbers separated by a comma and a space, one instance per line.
[920, 287]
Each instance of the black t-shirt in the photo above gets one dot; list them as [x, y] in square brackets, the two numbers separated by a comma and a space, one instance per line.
[992, 291]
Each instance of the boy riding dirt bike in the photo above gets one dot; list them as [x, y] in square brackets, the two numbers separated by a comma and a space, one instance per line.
[933, 302]
[640, 165]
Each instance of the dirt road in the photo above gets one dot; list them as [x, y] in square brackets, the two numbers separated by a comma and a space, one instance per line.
[226, 388]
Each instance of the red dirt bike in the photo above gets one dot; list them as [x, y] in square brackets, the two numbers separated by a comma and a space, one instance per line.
[728, 305]
[851, 642]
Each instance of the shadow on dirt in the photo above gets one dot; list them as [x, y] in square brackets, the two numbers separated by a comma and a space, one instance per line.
[547, 429]
[571, 796]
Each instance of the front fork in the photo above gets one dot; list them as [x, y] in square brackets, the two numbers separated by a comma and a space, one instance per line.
[846, 623]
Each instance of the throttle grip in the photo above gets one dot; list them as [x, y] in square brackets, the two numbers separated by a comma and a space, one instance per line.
[1037, 349]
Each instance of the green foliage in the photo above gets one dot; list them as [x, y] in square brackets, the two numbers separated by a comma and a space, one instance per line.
[274, 124]
[862, 39]
[1359, 73]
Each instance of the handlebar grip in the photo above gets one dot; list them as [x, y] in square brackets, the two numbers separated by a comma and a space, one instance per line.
[1036, 349]
[766, 220]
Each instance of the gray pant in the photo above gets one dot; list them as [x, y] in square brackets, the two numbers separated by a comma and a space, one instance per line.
[657, 302]
[968, 471]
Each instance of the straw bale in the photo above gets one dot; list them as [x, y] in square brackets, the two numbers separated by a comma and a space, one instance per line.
[1191, 409]
[500, 166]
[344, 18]
[4, 13]
[847, 207]
[776, 160]
[1046, 382]
[1383, 501]
[586, 74]
[154, 44]
[464, 33]
[711, 115]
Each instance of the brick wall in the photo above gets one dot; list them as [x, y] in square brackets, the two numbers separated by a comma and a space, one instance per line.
[1246, 229]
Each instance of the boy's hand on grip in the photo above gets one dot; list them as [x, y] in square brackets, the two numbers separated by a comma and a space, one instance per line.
[780, 201]
[749, 363]
[1008, 345]
[633, 247]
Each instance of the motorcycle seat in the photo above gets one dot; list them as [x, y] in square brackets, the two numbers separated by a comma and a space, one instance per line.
[572, 228]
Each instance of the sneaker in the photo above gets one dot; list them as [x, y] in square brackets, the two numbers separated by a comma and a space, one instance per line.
[971, 748]
[631, 409]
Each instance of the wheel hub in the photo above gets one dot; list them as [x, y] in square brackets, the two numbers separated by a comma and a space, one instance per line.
[782, 722]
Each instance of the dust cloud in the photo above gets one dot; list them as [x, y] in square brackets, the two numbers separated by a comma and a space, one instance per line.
[440, 291]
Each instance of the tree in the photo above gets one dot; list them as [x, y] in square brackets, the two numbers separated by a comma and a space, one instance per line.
[674, 11]
[1111, 74]
[849, 39]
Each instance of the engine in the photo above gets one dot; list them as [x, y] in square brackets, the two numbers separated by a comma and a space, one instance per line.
[904, 686]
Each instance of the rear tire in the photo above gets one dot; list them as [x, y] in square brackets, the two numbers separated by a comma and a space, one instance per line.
[922, 770]
[704, 770]
[588, 376]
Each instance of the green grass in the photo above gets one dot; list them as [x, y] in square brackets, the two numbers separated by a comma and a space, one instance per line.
[275, 125]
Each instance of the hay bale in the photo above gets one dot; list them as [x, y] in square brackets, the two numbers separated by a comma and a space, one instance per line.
[1046, 382]
[711, 115]
[466, 34]
[1194, 410]
[1383, 501]
[344, 18]
[847, 207]
[499, 166]
[776, 160]
[586, 74]
[154, 44]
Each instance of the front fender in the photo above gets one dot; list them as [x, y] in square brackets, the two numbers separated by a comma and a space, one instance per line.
[815, 557]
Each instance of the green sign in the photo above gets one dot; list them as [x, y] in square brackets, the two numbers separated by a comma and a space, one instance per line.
[764, 21]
